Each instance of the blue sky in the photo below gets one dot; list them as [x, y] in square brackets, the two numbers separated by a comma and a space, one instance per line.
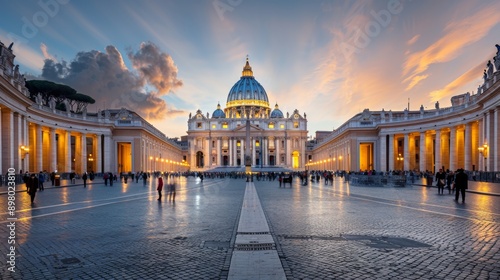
[330, 59]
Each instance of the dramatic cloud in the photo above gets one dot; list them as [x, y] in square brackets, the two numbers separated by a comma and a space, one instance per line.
[464, 79]
[156, 67]
[45, 52]
[105, 77]
[457, 35]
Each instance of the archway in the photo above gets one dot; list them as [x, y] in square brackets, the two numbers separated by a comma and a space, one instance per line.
[199, 160]
[295, 159]
[225, 160]
[271, 160]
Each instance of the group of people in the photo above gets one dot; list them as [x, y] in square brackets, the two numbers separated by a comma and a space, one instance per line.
[170, 189]
[454, 181]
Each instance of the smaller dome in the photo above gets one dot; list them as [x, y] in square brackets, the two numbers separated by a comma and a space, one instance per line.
[218, 113]
[276, 113]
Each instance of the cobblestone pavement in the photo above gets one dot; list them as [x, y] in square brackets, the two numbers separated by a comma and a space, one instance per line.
[322, 232]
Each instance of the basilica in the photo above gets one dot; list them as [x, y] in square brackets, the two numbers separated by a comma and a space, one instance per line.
[219, 141]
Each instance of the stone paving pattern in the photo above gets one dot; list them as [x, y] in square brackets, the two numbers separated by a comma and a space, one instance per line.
[133, 236]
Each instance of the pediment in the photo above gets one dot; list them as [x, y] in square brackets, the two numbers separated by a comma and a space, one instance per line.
[252, 128]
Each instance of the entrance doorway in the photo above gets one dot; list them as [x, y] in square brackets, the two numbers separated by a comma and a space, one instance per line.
[124, 156]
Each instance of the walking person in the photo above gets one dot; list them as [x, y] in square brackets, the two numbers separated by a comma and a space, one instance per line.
[160, 187]
[450, 176]
[461, 184]
[53, 177]
[440, 181]
[144, 179]
[105, 176]
[171, 191]
[84, 178]
[41, 179]
[32, 185]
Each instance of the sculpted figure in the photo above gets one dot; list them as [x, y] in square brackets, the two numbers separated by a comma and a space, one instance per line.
[16, 72]
[496, 61]
[52, 103]
[437, 105]
[490, 69]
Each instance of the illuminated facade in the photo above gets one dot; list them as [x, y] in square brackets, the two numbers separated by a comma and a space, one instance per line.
[35, 136]
[219, 141]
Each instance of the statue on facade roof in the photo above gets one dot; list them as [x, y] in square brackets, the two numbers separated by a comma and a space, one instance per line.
[496, 62]
[39, 99]
[190, 115]
[485, 76]
[10, 46]
[498, 49]
[16, 72]
[437, 105]
[489, 66]
[52, 103]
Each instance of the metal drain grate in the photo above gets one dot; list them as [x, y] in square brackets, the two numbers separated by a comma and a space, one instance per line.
[254, 247]
[253, 233]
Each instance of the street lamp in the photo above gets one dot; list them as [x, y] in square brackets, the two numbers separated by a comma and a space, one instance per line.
[400, 159]
[24, 151]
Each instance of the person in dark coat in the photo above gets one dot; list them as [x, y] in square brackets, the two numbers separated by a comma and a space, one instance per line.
[84, 178]
[461, 184]
[32, 185]
[440, 181]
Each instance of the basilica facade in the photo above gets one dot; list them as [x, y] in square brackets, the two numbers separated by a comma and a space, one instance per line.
[219, 141]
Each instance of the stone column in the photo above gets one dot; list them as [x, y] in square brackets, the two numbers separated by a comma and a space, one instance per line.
[288, 152]
[445, 157]
[17, 142]
[468, 147]
[26, 142]
[495, 151]
[108, 155]
[278, 152]
[83, 160]
[382, 153]
[235, 151]
[391, 152]
[38, 152]
[68, 156]
[487, 140]
[437, 156]
[422, 159]
[406, 156]
[219, 153]
[453, 148]
[8, 147]
[479, 141]
[254, 154]
[2, 171]
[53, 150]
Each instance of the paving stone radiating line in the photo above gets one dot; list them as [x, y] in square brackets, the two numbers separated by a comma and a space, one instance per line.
[255, 255]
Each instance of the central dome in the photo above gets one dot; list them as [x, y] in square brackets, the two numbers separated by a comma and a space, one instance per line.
[247, 91]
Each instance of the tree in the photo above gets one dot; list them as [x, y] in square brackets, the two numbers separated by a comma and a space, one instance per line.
[79, 101]
[59, 92]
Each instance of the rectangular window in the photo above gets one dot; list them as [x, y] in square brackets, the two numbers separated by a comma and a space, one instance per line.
[282, 126]
[224, 125]
[296, 125]
[213, 126]
[198, 125]
[271, 125]
[257, 143]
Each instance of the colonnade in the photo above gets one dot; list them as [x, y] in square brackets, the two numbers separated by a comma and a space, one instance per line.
[265, 151]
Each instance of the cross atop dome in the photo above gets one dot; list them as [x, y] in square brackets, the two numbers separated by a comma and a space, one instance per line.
[247, 70]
